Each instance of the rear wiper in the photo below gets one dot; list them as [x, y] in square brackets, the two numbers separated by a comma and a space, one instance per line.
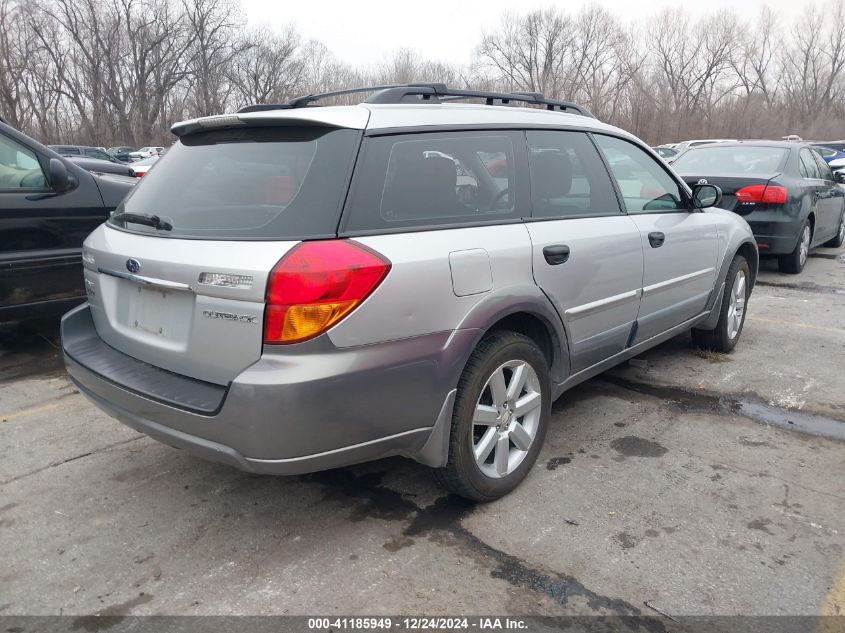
[147, 219]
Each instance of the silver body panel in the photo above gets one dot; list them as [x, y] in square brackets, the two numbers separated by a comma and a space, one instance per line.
[597, 289]
[678, 277]
[163, 316]
[303, 407]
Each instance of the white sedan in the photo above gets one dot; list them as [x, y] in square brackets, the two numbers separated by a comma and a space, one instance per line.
[140, 167]
[146, 152]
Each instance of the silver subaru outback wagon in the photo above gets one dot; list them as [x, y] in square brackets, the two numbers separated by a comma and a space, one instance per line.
[294, 288]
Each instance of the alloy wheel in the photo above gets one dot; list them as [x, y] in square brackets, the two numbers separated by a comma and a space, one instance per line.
[506, 418]
[805, 245]
[736, 306]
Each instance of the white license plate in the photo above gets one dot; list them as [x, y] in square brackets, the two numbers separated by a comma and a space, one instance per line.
[159, 312]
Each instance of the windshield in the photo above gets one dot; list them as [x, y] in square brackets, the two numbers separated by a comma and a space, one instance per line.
[730, 159]
[250, 183]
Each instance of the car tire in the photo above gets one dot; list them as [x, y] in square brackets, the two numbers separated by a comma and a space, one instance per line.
[732, 312]
[486, 419]
[837, 241]
[793, 263]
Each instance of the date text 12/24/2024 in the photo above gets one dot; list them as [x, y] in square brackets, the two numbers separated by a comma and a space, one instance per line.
[416, 623]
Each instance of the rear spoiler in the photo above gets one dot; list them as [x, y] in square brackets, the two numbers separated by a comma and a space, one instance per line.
[354, 118]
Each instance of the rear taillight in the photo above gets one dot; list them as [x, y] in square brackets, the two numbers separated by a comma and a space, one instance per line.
[315, 285]
[771, 194]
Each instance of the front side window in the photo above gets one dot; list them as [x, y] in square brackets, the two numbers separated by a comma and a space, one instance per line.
[424, 180]
[646, 187]
[19, 168]
[567, 176]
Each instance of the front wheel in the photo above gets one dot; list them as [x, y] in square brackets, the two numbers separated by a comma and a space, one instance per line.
[732, 313]
[501, 413]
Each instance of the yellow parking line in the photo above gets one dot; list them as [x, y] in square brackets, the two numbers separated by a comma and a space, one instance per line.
[797, 324]
[21, 413]
[834, 601]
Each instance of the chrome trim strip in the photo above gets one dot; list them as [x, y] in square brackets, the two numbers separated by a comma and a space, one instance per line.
[147, 281]
[677, 281]
[602, 304]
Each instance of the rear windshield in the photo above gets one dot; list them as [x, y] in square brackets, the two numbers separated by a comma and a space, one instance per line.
[720, 159]
[262, 183]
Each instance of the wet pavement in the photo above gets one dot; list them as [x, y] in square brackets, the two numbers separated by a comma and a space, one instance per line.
[701, 483]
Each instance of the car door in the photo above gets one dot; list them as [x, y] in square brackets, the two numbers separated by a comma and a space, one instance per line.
[587, 255]
[829, 202]
[814, 187]
[679, 244]
[41, 233]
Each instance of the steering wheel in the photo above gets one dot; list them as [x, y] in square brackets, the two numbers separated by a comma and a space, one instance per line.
[498, 197]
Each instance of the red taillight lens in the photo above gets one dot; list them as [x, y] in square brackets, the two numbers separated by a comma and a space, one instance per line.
[771, 194]
[315, 285]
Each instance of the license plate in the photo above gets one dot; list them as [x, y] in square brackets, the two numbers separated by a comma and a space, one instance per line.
[151, 309]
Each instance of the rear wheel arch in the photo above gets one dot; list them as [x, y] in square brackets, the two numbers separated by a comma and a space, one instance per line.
[539, 330]
[747, 250]
[527, 311]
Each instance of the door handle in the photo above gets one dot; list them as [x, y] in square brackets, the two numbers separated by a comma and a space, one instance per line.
[557, 254]
[656, 239]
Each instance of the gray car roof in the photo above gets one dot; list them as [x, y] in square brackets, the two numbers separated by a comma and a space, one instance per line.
[367, 116]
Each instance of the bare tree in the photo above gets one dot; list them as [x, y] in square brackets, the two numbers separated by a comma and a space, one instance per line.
[268, 67]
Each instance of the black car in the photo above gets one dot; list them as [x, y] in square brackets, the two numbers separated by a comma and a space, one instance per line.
[786, 192]
[48, 206]
[72, 151]
[97, 166]
[122, 153]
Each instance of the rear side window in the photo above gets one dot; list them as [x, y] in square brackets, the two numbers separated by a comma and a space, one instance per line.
[437, 179]
[568, 177]
[263, 183]
[646, 186]
[809, 169]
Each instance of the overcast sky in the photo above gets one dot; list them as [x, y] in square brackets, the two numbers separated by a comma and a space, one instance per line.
[362, 32]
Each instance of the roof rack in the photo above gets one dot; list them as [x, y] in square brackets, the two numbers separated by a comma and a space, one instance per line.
[427, 93]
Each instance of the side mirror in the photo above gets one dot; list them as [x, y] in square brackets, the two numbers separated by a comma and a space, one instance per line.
[839, 176]
[60, 179]
[704, 196]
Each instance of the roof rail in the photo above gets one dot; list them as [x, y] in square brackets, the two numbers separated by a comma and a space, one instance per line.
[428, 93]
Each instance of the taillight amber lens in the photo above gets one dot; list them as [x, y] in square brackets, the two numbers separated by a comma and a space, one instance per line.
[315, 285]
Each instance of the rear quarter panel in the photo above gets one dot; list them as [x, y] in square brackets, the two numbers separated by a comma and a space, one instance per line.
[419, 294]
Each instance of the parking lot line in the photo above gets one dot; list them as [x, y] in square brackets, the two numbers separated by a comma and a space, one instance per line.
[834, 601]
[22, 413]
[797, 324]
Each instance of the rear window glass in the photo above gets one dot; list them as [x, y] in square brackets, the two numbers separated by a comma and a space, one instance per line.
[268, 183]
[730, 160]
[437, 179]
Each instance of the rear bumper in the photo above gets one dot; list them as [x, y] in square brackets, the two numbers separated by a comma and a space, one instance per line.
[291, 413]
[775, 231]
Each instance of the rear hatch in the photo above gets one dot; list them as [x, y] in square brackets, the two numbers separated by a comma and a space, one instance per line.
[177, 276]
